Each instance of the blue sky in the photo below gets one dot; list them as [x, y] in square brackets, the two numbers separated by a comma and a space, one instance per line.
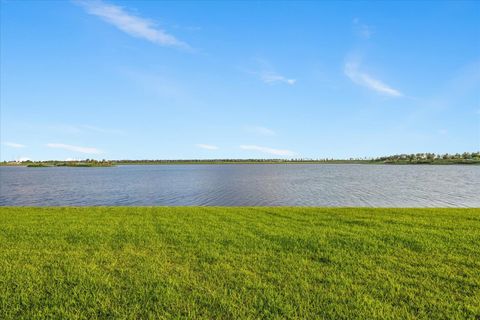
[171, 80]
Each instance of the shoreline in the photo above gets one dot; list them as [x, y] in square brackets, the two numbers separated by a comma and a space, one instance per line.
[207, 162]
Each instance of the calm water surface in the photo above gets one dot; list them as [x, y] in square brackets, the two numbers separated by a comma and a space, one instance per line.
[244, 185]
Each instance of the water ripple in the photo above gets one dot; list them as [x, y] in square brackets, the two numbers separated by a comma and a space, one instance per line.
[244, 185]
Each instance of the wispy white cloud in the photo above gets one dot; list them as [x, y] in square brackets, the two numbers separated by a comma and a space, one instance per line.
[79, 149]
[131, 24]
[65, 128]
[267, 74]
[270, 77]
[460, 86]
[260, 130]
[206, 146]
[352, 71]
[361, 29]
[276, 152]
[13, 145]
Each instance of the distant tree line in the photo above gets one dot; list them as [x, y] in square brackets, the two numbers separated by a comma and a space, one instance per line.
[429, 157]
[413, 158]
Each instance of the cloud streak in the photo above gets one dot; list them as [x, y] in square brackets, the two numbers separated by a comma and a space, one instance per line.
[206, 146]
[270, 77]
[267, 74]
[132, 25]
[260, 130]
[352, 71]
[79, 149]
[276, 152]
[14, 145]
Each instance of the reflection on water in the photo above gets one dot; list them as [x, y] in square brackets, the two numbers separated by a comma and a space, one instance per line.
[244, 185]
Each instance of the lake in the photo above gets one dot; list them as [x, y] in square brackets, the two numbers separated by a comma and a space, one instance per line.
[243, 185]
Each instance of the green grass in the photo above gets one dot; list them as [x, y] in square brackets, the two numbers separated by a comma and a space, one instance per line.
[239, 263]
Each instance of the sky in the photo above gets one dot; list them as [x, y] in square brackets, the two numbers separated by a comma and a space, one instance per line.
[246, 79]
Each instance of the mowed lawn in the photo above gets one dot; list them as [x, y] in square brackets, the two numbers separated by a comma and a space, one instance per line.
[239, 263]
